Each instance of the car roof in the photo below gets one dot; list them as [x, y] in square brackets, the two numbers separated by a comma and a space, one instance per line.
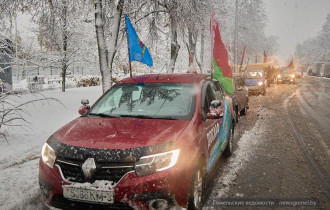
[254, 67]
[165, 78]
[236, 75]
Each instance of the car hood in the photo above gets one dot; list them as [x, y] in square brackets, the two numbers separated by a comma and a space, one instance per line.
[119, 133]
[252, 82]
[286, 75]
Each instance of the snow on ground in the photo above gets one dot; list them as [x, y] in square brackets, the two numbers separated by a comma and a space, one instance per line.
[19, 156]
[246, 146]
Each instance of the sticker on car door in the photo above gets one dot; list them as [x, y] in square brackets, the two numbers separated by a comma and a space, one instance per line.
[220, 143]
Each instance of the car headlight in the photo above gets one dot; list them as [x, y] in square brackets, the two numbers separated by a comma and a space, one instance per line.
[48, 155]
[158, 162]
[278, 76]
[260, 83]
[292, 76]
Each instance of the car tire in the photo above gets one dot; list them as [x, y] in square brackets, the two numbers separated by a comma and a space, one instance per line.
[197, 189]
[229, 148]
[243, 111]
[236, 112]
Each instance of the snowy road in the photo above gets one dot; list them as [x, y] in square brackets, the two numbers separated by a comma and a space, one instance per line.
[281, 147]
[284, 152]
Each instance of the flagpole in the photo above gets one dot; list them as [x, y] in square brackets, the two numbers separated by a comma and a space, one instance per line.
[240, 67]
[212, 16]
[129, 55]
[130, 69]
[129, 59]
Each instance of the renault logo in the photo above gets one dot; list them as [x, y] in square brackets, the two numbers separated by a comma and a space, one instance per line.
[89, 168]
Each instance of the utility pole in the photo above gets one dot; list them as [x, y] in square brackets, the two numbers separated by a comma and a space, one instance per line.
[236, 37]
[16, 47]
[212, 39]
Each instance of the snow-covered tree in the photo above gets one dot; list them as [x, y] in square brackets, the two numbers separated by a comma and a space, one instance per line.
[317, 48]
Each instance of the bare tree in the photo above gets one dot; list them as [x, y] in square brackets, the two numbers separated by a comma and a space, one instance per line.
[13, 111]
[101, 44]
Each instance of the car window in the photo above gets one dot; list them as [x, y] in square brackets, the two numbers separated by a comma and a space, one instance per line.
[218, 92]
[241, 83]
[254, 74]
[154, 100]
[208, 98]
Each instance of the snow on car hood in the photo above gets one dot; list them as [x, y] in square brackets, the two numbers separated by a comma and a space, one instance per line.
[119, 133]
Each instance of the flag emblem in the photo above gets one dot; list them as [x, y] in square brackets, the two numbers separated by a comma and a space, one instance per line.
[136, 48]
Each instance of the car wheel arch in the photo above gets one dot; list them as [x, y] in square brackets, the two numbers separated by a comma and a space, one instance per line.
[201, 165]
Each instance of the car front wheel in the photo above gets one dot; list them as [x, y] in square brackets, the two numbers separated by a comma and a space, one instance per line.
[243, 111]
[197, 190]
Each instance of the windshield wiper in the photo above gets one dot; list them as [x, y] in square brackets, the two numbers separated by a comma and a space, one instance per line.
[103, 115]
[137, 116]
[149, 117]
[167, 118]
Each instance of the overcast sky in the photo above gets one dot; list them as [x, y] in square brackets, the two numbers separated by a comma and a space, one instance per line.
[294, 21]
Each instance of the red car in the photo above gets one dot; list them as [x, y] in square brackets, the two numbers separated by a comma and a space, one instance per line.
[150, 142]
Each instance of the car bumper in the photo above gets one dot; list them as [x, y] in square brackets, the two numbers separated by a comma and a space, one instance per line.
[286, 80]
[256, 89]
[136, 191]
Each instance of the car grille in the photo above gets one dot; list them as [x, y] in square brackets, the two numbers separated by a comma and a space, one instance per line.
[60, 202]
[73, 172]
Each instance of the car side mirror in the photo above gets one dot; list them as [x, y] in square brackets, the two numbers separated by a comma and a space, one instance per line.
[85, 102]
[215, 113]
[215, 103]
[84, 108]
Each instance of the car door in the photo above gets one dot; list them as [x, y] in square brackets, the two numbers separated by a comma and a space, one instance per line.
[210, 127]
[222, 126]
[245, 92]
[240, 93]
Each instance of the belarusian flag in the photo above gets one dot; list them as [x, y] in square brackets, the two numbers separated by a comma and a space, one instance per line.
[291, 64]
[222, 70]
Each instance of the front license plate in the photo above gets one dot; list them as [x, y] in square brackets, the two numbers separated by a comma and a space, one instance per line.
[97, 196]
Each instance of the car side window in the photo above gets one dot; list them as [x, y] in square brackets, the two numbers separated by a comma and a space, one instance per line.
[241, 83]
[218, 92]
[236, 83]
[209, 97]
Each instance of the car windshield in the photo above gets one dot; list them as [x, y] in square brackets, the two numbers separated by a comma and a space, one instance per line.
[284, 71]
[147, 100]
[254, 74]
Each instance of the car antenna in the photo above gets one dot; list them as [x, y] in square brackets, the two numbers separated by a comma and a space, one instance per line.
[161, 71]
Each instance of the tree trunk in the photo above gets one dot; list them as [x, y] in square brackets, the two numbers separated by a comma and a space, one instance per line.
[64, 42]
[115, 32]
[102, 49]
[202, 49]
[175, 47]
[192, 36]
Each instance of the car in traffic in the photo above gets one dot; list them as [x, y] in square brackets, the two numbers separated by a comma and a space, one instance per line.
[255, 79]
[286, 76]
[150, 142]
[240, 96]
[297, 74]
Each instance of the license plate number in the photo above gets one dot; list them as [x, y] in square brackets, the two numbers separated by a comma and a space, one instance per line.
[97, 196]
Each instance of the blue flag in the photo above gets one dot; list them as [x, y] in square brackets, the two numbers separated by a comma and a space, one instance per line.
[136, 49]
